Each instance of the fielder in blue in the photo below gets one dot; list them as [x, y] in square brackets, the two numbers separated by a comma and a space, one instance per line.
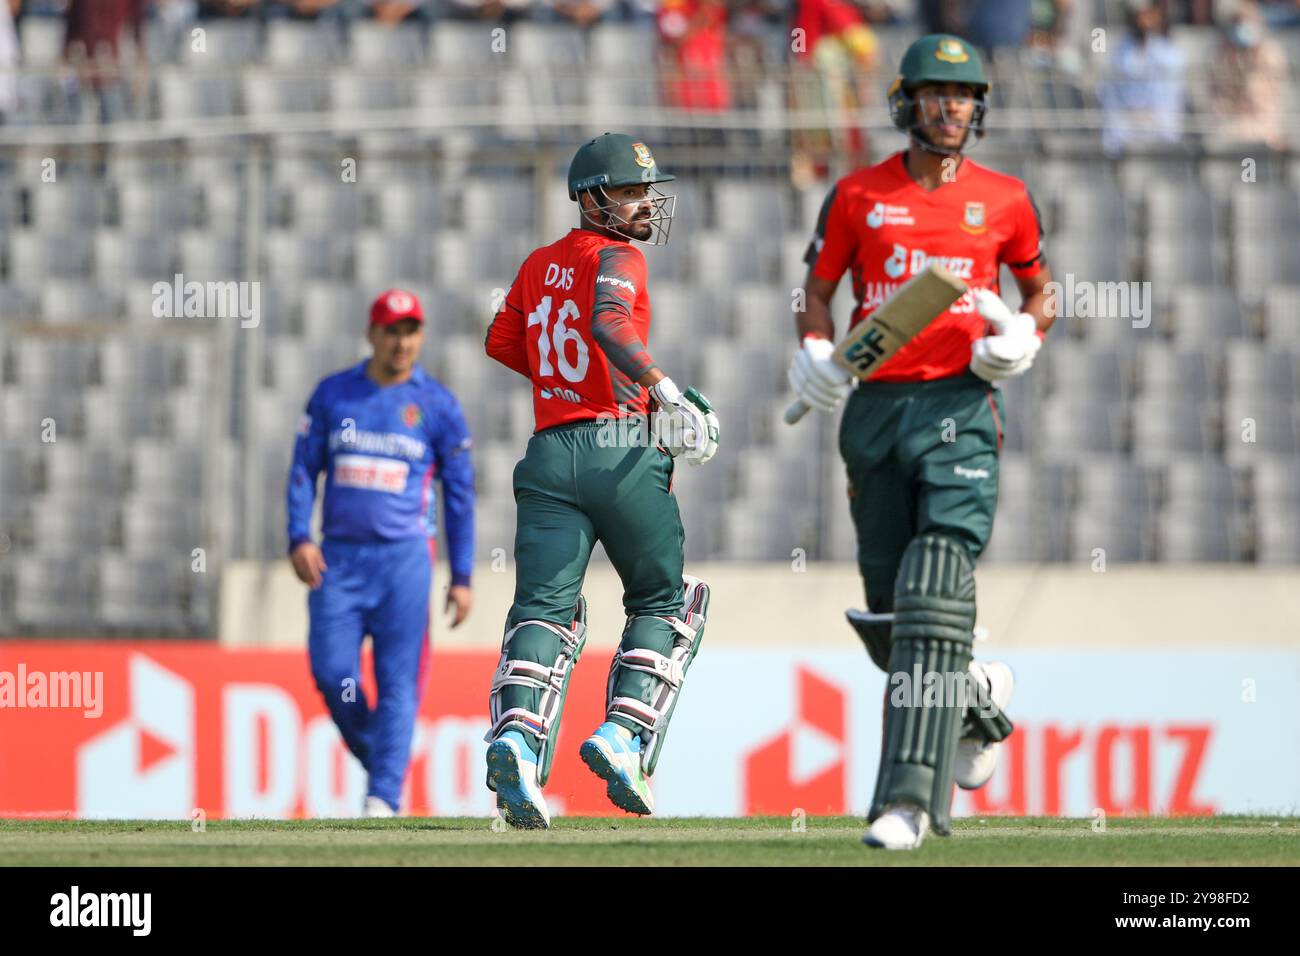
[381, 431]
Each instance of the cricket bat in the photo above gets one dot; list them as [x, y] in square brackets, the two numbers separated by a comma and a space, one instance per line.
[869, 343]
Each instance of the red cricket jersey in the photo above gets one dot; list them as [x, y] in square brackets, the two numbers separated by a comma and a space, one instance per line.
[882, 227]
[575, 322]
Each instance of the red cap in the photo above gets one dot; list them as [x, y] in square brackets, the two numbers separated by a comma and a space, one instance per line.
[394, 306]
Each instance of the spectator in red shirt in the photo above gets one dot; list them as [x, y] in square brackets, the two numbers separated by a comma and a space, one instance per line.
[92, 45]
[693, 34]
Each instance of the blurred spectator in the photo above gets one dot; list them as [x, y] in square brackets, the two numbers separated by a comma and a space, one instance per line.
[306, 9]
[834, 73]
[942, 16]
[92, 45]
[8, 60]
[1248, 81]
[996, 24]
[1047, 22]
[1142, 96]
[693, 35]
[229, 8]
[1280, 13]
[505, 11]
[397, 11]
[582, 12]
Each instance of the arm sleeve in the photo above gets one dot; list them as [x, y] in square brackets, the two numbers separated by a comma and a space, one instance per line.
[1023, 251]
[506, 335]
[833, 243]
[451, 455]
[310, 451]
[620, 276]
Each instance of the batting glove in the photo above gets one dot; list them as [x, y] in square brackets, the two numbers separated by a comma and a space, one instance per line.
[1011, 351]
[815, 378]
[686, 423]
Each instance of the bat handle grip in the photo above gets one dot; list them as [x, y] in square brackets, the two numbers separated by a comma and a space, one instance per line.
[796, 410]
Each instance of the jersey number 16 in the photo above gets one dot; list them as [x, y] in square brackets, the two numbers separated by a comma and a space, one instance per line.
[560, 336]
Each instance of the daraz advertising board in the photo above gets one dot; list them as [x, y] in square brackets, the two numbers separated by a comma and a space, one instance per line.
[177, 730]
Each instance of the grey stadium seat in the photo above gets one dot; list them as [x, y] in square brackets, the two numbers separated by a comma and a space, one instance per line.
[44, 363]
[233, 41]
[356, 91]
[184, 95]
[292, 256]
[458, 43]
[1124, 532]
[1199, 534]
[410, 208]
[206, 256]
[1174, 260]
[326, 205]
[154, 528]
[1175, 374]
[1106, 481]
[138, 364]
[1277, 540]
[156, 206]
[83, 469]
[149, 594]
[1205, 316]
[1176, 208]
[375, 44]
[1067, 429]
[59, 206]
[1274, 429]
[54, 593]
[1262, 261]
[546, 45]
[120, 256]
[272, 94]
[163, 470]
[295, 43]
[65, 525]
[1282, 314]
[1083, 371]
[129, 414]
[1166, 426]
[623, 46]
[35, 257]
[24, 413]
[71, 301]
[1255, 371]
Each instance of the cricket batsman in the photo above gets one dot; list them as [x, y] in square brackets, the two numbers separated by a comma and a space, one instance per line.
[920, 437]
[381, 431]
[610, 425]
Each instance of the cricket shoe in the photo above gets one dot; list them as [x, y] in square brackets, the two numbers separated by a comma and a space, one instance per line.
[976, 758]
[901, 827]
[377, 808]
[614, 754]
[512, 775]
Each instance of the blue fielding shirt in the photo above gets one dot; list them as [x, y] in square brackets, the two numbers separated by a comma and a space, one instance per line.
[380, 449]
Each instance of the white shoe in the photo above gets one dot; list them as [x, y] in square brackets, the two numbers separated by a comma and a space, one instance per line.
[976, 758]
[901, 827]
[377, 808]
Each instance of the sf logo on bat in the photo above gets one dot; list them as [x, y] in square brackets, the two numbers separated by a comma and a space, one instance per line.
[866, 352]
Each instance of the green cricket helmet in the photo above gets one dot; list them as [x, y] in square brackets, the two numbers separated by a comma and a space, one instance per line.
[937, 58]
[610, 161]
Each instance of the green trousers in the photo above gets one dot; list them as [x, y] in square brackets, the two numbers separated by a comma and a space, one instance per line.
[921, 457]
[586, 482]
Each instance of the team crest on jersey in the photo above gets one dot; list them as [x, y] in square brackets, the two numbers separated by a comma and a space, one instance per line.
[973, 222]
[411, 415]
[950, 51]
[643, 157]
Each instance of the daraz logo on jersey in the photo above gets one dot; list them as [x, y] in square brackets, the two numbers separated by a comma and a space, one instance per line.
[903, 261]
[882, 214]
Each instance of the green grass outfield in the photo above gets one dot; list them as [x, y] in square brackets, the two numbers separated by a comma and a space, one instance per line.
[605, 841]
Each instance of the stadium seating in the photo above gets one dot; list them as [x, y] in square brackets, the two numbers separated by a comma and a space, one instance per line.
[1173, 442]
